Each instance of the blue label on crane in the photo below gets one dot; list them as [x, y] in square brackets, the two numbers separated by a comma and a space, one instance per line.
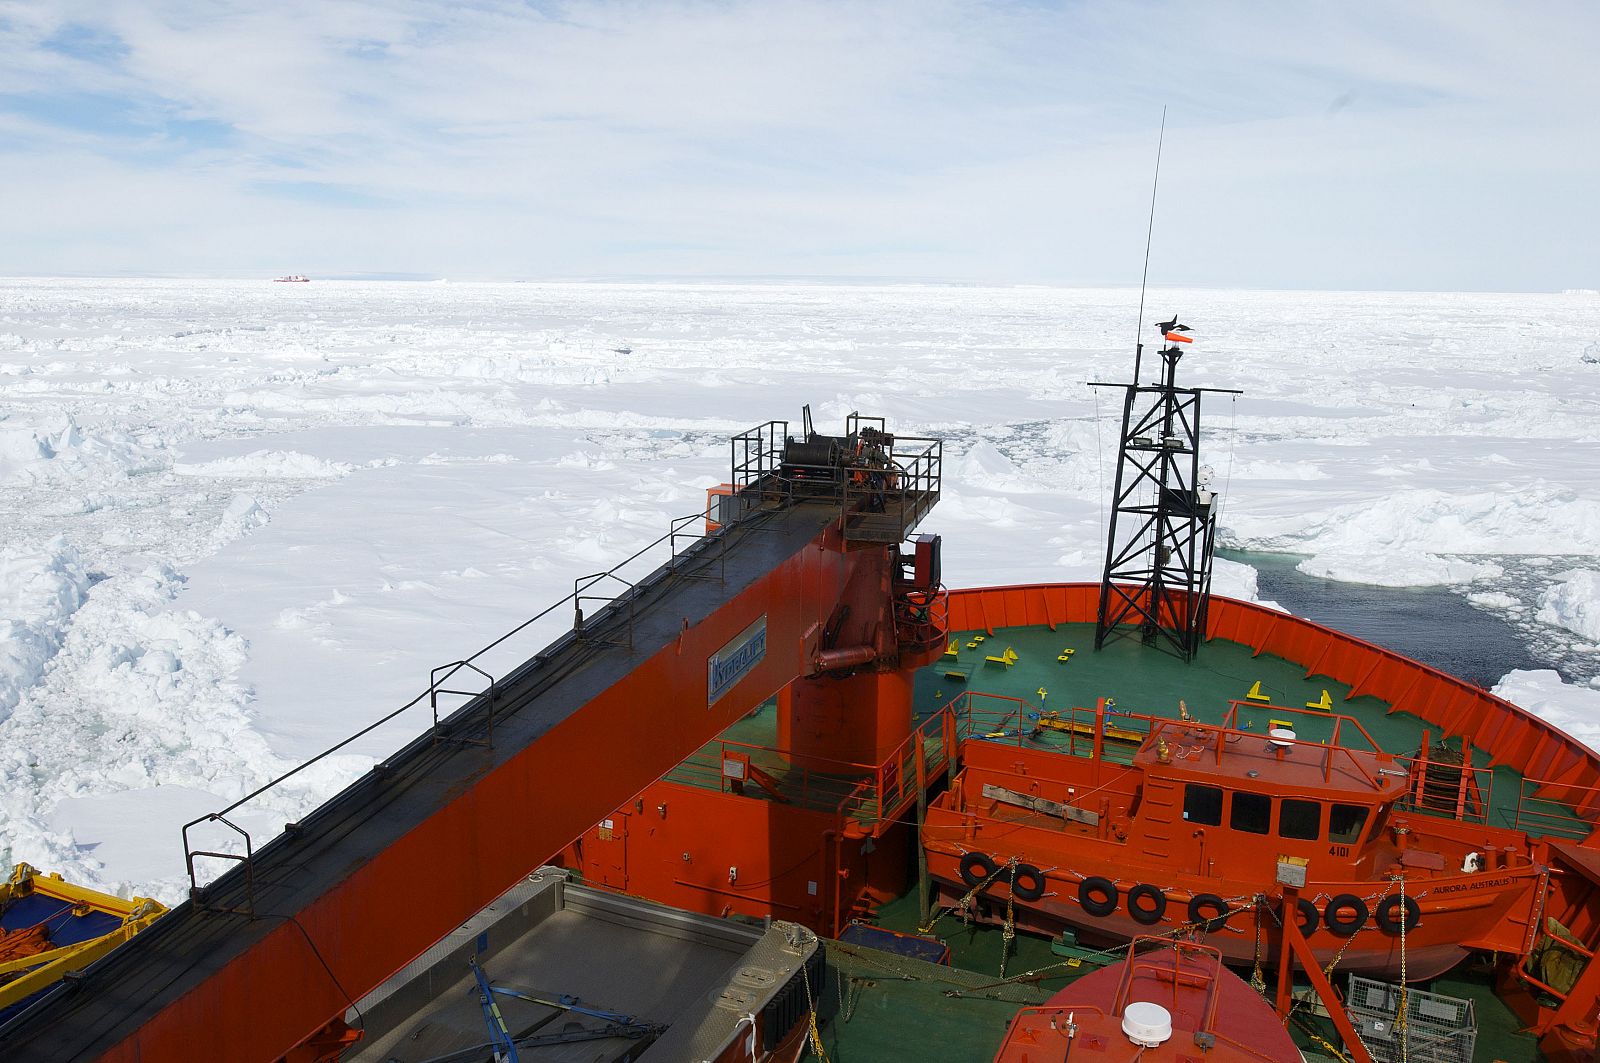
[735, 660]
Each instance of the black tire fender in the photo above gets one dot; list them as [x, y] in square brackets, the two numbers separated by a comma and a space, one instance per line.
[1219, 911]
[1386, 916]
[1345, 914]
[1027, 883]
[976, 868]
[1309, 919]
[1146, 914]
[1097, 896]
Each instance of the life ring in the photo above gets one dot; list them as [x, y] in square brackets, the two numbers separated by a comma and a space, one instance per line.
[1149, 914]
[1027, 883]
[1309, 919]
[976, 868]
[1219, 911]
[1385, 915]
[1097, 896]
[1345, 914]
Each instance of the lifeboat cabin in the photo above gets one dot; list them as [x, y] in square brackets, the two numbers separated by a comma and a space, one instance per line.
[1141, 824]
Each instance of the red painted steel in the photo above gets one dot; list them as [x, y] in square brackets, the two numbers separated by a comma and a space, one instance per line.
[1566, 770]
[374, 922]
[1139, 833]
[393, 907]
[1206, 1005]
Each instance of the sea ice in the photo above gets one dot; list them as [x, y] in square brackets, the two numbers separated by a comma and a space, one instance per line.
[245, 519]
[1575, 709]
[1574, 603]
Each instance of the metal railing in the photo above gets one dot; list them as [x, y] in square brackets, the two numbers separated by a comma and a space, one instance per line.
[873, 796]
[1562, 818]
[882, 493]
[816, 783]
[686, 557]
[692, 551]
[897, 501]
[880, 800]
[1098, 733]
[921, 620]
[1447, 791]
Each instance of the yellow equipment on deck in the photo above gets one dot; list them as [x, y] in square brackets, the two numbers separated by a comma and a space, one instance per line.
[39, 944]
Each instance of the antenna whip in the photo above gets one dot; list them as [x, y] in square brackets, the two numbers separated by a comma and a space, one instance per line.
[1138, 342]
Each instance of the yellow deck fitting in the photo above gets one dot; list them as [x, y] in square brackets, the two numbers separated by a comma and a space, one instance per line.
[979, 638]
[972, 645]
[1007, 658]
[1326, 704]
[1043, 693]
[1255, 692]
[950, 650]
[960, 677]
[1064, 658]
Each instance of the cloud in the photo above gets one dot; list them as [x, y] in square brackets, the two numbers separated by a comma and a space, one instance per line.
[932, 138]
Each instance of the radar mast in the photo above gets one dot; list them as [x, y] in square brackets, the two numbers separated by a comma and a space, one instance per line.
[1157, 577]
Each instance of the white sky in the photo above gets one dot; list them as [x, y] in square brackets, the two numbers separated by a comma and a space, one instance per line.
[1448, 145]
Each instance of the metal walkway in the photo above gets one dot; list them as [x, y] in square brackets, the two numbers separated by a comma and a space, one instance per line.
[327, 892]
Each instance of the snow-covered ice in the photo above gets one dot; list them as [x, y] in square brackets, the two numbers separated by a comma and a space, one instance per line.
[1574, 603]
[245, 519]
[1573, 708]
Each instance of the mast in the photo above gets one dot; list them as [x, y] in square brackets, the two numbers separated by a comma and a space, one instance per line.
[1157, 576]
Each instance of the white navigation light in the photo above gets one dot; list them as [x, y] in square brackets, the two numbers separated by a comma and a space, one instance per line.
[1146, 1024]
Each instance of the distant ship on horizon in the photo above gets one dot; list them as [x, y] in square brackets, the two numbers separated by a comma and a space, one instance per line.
[293, 278]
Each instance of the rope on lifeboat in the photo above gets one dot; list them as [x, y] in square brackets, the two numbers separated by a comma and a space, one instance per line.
[1258, 980]
[1119, 949]
[1009, 931]
[1405, 1040]
[971, 895]
[813, 1034]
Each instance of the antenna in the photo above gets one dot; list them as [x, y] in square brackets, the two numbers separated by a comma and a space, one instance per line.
[1155, 183]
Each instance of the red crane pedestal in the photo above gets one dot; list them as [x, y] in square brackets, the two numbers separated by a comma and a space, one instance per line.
[858, 719]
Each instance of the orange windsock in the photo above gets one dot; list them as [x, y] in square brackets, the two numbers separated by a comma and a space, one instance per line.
[1175, 337]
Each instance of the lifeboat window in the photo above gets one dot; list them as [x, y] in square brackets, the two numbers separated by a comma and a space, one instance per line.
[1251, 813]
[1300, 819]
[1202, 804]
[1345, 823]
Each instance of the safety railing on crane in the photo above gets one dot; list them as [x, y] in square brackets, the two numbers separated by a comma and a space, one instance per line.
[604, 609]
[603, 606]
[883, 485]
[879, 800]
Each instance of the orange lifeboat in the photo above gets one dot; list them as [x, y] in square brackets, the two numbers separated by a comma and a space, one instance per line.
[1185, 834]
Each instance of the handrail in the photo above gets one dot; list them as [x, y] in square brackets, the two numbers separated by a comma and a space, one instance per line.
[433, 689]
[197, 891]
[1474, 792]
[880, 792]
[820, 779]
[1338, 719]
[1547, 815]
[1155, 727]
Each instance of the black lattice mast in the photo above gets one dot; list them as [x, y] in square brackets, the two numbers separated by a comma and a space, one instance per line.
[1157, 578]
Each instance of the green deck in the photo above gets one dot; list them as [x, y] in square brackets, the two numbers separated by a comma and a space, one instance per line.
[899, 1008]
[884, 1007]
[1139, 680]
[1143, 680]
